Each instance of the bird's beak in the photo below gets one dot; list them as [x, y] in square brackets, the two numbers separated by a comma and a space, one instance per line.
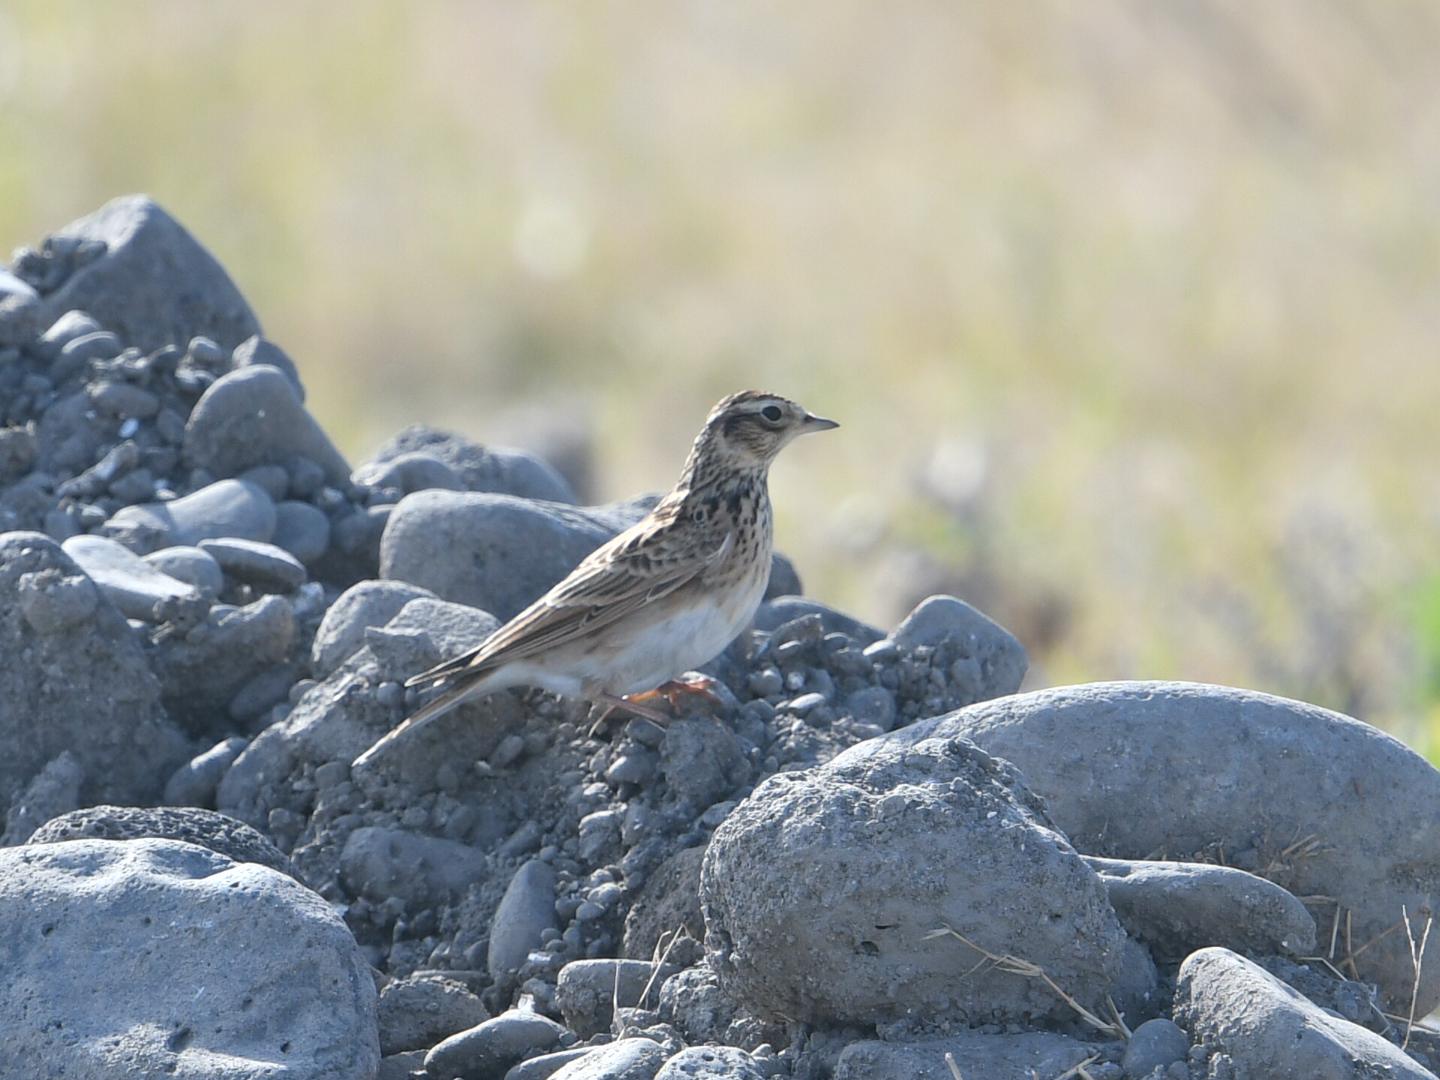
[816, 423]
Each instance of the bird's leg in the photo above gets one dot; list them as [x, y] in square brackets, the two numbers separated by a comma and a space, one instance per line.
[630, 705]
[675, 689]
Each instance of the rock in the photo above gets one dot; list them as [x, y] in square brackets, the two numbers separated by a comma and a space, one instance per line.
[872, 705]
[784, 580]
[623, 1059]
[302, 530]
[142, 925]
[452, 628]
[503, 472]
[999, 659]
[776, 613]
[494, 552]
[194, 567]
[131, 584]
[488, 1049]
[1156, 1044]
[194, 783]
[546, 1065]
[409, 473]
[79, 351]
[65, 329]
[258, 350]
[717, 1062]
[702, 762]
[416, 1012]
[271, 479]
[226, 508]
[262, 693]
[669, 899]
[264, 566]
[154, 285]
[354, 551]
[526, 910]
[1140, 769]
[55, 791]
[1238, 1009]
[401, 1066]
[17, 452]
[202, 671]
[880, 854]
[380, 863]
[20, 318]
[342, 631]
[77, 680]
[983, 1057]
[122, 400]
[192, 825]
[587, 991]
[251, 417]
[1176, 908]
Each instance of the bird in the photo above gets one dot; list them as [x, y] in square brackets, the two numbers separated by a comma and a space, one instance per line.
[661, 598]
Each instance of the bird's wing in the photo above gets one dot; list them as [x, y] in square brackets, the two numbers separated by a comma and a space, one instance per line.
[640, 565]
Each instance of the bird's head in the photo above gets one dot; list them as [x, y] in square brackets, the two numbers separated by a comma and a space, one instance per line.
[746, 430]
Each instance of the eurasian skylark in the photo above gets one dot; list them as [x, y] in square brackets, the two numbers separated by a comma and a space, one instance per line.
[663, 597]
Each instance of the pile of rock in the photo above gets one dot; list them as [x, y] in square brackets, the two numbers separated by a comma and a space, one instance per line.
[869, 854]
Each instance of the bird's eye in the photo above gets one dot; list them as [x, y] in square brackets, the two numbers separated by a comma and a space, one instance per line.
[771, 413]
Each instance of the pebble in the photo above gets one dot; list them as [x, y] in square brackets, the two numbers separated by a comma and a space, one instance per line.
[624, 1059]
[873, 705]
[302, 530]
[122, 399]
[645, 731]
[508, 752]
[226, 508]
[132, 584]
[194, 783]
[489, 1048]
[192, 565]
[67, 328]
[271, 479]
[546, 1065]
[263, 692]
[409, 473]
[265, 566]
[527, 908]
[379, 863]
[366, 604]
[711, 1063]
[52, 601]
[418, 1011]
[804, 704]
[258, 350]
[1155, 1044]
[78, 351]
[636, 766]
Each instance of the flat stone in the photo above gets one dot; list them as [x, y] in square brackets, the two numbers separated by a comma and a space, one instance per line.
[380, 863]
[265, 566]
[226, 508]
[142, 925]
[194, 825]
[1269, 1030]
[251, 417]
[130, 583]
[526, 910]
[192, 565]
[195, 782]
[302, 530]
[494, 552]
[154, 285]
[365, 604]
[490, 1048]
[480, 468]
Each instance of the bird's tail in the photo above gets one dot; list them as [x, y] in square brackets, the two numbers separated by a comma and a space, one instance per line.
[422, 716]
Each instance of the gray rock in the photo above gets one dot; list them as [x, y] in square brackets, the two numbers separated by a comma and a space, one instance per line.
[418, 1011]
[546, 1065]
[195, 782]
[503, 472]
[235, 508]
[193, 825]
[17, 451]
[253, 417]
[409, 473]
[1139, 769]
[776, 613]
[623, 1059]
[55, 791]
[78, 684]
[453, 628]
[489, 1049]
[201, 672]
[368, 603]
[122, 400]
[194, 567]
[873, 705]
[494, 552]
[266, 567]
[401, 1066]
[65, 329]
[669, 900]
[784, 580]
[880, 853]
[587, 991]
[302, 530]
[1238, 1009]
[258, 350]
[1176, 908]
[982, 1057]
[422, 870]
[143, 925]
[131, 584]
[154, 285]
[526, 910]
[999, 657]
[695, 1003]
[715, 1062]
[79, 351]
[271, 479]
[702, 762]
[262, 693]
[1155, 1044]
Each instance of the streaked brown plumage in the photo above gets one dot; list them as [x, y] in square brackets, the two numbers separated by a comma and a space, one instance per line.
[664, 596]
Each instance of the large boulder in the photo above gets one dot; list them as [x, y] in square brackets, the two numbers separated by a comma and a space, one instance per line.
[76, 679]
[191, 966]
[141, 274]
[1321, 804]
[866, 893]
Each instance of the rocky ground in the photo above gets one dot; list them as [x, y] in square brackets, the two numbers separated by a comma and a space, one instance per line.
[871, 857]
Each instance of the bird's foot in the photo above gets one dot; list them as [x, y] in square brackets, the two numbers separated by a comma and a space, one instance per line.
[629, 705]
[675, 690]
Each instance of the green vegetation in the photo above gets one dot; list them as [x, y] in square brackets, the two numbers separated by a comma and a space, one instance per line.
[1130, 311]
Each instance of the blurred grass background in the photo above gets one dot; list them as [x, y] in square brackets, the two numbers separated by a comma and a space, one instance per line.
[1129, 309]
